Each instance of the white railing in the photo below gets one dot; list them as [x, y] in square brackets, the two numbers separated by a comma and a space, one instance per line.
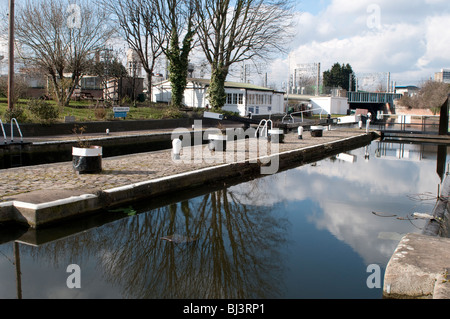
[263, 131]
[12, 130]
[407, 122]
[301, 112]
[3, 130]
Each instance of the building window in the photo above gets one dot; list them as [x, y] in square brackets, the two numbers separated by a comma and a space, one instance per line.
[251, 110]
[229, 98]
[257, 110]
[234, 99]
[259, 99]
[90, 83]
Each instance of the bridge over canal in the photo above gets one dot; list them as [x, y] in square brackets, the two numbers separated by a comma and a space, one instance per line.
[373, 102]
[372, 98]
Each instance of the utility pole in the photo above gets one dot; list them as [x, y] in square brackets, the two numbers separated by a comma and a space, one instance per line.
[11, 57]
[244, 73]
[350, 82]
[318, 80]
[388, 85]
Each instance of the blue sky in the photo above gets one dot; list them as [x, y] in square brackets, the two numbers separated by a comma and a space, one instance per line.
[311, 6]
[408, 38]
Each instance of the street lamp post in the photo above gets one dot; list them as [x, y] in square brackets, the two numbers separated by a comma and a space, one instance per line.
[11, 57]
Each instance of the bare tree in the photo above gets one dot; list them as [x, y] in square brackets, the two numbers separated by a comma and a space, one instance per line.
[106, 67]
[235, 31]
[61, 39]
[138, 24]
[431, 96]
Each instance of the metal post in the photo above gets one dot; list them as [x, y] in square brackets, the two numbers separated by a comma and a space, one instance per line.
[443, 121]
[18, 272]
[318, 80]
[11, 57]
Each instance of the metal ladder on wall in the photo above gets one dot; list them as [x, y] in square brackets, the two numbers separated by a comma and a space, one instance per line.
[15, 159]
[3, 130]
[14, 121]
[263, 128]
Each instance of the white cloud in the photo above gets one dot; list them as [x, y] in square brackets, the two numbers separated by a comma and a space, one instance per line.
[348, 193]
[438, 41]
[410, 39]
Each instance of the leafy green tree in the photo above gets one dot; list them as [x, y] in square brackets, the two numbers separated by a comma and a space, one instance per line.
[176, 18]
[339, 76]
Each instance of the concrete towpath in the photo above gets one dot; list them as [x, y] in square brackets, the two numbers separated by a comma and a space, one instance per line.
[43, 183]
[43, 194]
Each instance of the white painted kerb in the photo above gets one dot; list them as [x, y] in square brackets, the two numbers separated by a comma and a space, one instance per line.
[89, 152]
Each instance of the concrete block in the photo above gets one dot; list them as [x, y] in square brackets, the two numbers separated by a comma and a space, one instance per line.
[416, 266]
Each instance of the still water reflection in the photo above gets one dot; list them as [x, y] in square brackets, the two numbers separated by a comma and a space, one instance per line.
[309, 232]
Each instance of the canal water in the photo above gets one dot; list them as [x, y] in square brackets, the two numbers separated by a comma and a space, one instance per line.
[325, 230]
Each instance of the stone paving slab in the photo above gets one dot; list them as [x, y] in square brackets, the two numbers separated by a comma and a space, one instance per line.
[419, 269]
[43, 183]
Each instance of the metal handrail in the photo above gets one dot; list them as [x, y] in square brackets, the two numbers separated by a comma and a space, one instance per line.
[401, 121]
[290, 115]
[265, 127]
[301, 112]
[12, 130]
[3, 130]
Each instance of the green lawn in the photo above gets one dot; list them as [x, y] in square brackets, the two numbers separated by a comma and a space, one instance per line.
[85, 111]
[89, 111]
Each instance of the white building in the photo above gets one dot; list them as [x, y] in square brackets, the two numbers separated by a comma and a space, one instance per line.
[330, 105]
[242, 98]
[324, 105]
[407, 90]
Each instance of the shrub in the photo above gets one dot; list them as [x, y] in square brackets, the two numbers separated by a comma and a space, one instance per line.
[17, 113]
[43, 111]
[100, 113]
[172, 113]
[126, 101]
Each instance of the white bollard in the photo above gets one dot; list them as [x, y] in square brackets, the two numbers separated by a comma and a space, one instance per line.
[360, 123]
[176, 148]
[107, 131]
[367, 126]
[300, 132]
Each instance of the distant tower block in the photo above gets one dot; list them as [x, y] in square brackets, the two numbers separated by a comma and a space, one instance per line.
[134, 65]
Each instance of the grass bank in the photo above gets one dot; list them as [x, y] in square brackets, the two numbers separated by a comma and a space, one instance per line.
[92, 111]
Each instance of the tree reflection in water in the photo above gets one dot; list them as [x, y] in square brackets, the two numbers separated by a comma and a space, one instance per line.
[236, 254]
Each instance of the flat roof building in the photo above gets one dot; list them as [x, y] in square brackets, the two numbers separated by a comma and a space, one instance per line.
[443, 76]
[242, 98]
